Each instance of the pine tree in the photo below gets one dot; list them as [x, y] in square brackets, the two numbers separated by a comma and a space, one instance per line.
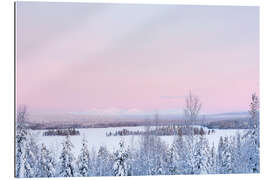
[46, 163]
[83, 159]
[120, 166]
[66, 159]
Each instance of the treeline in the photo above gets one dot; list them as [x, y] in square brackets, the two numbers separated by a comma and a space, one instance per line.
[61, 132]
[228, 124]
[163, 131]
[239, 123]
[187, 155]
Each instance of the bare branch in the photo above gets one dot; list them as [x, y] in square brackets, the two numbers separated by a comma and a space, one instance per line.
[192, 109]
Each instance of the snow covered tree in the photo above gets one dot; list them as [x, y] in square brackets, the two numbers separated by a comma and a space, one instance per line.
[83, 159]
[157, 155]
[67, 159]
[120, 166]
[133, 161]
[170, 162]
[254, 112]
[21, 135]
[152, 154]
[255, 135]
[225, 157]
[143, 165]
[202, 156]
[26, 147]
[220, 155]
[21, 138]
[251, 156]
[254, 116]
[104, 162]
[238, 156]
[211, 161]
[251, 144]
[30, 158]
[46, 163]
[180, 155]
[92, 165]
[28, 168]
[192, 155]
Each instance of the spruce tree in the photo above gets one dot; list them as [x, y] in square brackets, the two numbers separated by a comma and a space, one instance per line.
[120, 165]
[67, 159]
[46, 163]
[30, 157]
[21, 138]
[252, 139]
[83, 159]
[225, 156]
[202, 155]
[192, 156]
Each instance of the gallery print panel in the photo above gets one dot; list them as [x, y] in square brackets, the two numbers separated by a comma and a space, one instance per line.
[136, 89]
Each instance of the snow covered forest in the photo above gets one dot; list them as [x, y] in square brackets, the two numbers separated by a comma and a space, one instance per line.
[188, 154]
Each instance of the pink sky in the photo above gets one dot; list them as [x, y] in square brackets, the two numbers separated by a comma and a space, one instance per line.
[78, 57]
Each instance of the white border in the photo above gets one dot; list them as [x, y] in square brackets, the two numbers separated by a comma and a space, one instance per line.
[7, 84]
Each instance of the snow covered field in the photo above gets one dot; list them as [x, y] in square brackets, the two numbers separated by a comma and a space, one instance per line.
[96, 137]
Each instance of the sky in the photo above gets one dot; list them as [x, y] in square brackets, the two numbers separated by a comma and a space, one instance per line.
[80, 57]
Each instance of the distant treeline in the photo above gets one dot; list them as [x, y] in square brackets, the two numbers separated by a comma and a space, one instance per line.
[162, 131]
[240, 123]
[228, 124]
[62, 132]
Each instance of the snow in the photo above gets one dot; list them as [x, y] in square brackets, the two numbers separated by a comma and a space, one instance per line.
[214, 138]
[96, 137]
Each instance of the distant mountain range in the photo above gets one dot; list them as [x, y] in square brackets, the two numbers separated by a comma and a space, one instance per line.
[148, 113]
